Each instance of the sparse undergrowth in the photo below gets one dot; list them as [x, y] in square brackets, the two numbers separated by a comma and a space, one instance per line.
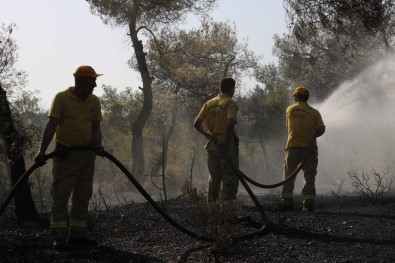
[372, 186]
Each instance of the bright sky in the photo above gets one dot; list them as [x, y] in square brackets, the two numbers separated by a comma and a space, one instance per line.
[55, 37]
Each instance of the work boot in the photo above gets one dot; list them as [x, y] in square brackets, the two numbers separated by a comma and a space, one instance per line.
[287, 204]
[82, 241]
[78, 237]
[59, 237]
[308, 205]
[59, 243]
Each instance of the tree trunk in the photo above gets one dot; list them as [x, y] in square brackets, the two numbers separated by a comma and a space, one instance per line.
[24, 204]
[138, 161]
[166, 136]
[267, 168]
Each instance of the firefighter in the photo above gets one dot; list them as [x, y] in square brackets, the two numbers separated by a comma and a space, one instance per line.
[304, 125]
[220, 117]
[74, 117]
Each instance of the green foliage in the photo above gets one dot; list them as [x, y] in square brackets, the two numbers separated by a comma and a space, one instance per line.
[262, 110]
[12, 79]
[332, 41]
[345, 20]
[151, 14]
[28, 118]
[120, 109]
[191, 63]
[24, 105]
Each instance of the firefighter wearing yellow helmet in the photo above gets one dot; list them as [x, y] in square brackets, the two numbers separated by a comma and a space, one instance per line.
[304, 125]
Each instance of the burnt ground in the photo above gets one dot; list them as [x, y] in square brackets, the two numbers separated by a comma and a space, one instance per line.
[343, 229]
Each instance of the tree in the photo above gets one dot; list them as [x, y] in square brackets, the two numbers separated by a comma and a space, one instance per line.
[187, 66]
[263, 110]
[346, 21]
[267, 104]
[332, 41]
[191, 63]
[120, 109]
[13, 135]
[160, 129]
[149, 15]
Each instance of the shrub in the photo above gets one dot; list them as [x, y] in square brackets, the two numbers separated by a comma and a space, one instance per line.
[374, 186]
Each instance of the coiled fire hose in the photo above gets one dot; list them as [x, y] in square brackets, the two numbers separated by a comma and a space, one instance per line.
[265, 228]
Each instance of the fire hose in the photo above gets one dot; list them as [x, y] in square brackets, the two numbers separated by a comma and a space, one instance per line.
[242, 175]
[264, 229]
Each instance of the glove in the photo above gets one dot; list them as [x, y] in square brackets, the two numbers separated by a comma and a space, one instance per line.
[99, 149]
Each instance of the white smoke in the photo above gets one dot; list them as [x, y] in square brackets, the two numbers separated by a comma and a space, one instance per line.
[360, 126]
